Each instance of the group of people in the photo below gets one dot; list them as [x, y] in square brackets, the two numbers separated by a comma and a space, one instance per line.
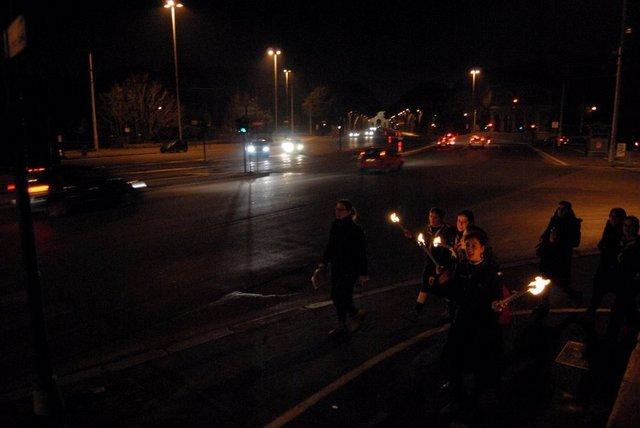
[462, 269]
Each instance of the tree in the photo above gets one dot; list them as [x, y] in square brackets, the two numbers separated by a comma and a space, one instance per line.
[319, 103]
[241, 105]
[144, 106]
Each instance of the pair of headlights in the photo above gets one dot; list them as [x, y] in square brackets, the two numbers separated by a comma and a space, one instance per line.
[290, 147]
[252, 149]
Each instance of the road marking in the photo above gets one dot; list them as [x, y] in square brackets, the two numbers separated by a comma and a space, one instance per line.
[419, 150]
[314, 399]
[548, 157]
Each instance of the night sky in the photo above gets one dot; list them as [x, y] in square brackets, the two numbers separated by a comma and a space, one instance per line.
[388, 47]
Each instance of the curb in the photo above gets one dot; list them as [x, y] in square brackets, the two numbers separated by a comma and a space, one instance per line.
[626, 409]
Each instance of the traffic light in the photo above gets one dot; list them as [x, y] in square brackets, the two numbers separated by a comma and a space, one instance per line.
[242, 124]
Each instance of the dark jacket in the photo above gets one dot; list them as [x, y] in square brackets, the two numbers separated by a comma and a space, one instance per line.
[475, 337]
[346, 250]
[567, 231]
[628, 268]
[609, 246]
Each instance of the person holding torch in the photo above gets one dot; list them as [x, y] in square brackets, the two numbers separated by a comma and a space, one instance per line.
[474, 345]
[438, 238]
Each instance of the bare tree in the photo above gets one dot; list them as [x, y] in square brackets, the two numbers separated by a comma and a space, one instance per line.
[241, 105]
[144, 106]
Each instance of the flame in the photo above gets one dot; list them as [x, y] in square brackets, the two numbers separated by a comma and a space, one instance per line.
[437, 241]
[538, 285]
[394, 218]
[420, 239]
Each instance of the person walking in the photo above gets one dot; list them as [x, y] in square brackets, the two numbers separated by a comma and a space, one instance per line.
[436, 228]
[627, 277]
[475, 344]
[345, 253]
[609, 246]
[555, 250]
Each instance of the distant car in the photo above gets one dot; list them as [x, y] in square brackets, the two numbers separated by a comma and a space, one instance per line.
[57, 190]
[259, 147]
[354, 134]
[291, 146]
[174, 146]
[447, 140]
[478, 142]
[556, 140]
[381, 159]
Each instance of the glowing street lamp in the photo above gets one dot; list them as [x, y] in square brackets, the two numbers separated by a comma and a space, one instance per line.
[287, 86]
[171, 4]
[474, 73]
[274, 53]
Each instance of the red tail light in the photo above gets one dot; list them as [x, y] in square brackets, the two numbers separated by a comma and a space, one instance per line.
[11, 187]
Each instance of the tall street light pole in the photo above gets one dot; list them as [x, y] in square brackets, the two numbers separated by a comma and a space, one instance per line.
[171, 4]
[274, 53]
[473, 73]
[94, 121]
[616, 97]
[289, 92]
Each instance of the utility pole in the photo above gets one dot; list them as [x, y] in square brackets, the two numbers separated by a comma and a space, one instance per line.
[561, 119]
[47, 401]
[94, 121]
[616, 97]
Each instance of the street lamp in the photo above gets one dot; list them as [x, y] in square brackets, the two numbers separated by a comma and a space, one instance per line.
[286, 76]
[171, 4]
[274, 53]
[473, 73]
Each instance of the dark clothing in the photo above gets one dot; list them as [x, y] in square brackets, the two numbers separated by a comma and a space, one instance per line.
[474, 344]
[342, 296]
[627, 280]
[609, 246]
[442, 253]
[346, 253]
[346, 250]
[555, 257]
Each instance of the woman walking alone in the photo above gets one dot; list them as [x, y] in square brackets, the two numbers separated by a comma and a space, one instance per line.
[347, 257]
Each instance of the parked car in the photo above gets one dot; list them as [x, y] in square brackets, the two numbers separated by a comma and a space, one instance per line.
[380, 159]
[478, 142]
[57, 190]
[174, 146]
[259, 147]
[556, 140]
[447, 140]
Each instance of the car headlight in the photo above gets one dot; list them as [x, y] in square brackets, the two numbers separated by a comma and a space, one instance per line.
[251, 148]
[287, 147]
[300, 147]
[265, 149]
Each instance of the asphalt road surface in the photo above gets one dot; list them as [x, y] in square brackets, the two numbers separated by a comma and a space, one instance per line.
[206, 248]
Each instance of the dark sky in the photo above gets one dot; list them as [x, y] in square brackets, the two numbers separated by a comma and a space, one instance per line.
[389, 47]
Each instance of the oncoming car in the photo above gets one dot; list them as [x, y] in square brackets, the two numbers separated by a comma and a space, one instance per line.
[259, 147]
[478, 142]
[291, 146]
[381, 160]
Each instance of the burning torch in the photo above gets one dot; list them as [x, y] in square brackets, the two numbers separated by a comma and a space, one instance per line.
[422, 244]
[396, 220]
[535, 287]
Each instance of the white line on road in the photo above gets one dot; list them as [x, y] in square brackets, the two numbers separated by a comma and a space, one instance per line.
[314, 399]
[548, 157]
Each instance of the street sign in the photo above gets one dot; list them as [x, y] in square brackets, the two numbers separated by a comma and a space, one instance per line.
[15, 37]
[621, 150]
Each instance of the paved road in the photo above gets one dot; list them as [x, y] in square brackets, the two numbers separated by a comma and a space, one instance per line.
[197, 256]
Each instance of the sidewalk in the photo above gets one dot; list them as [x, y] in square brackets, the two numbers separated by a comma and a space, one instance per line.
[575, 156]
[255, 373]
